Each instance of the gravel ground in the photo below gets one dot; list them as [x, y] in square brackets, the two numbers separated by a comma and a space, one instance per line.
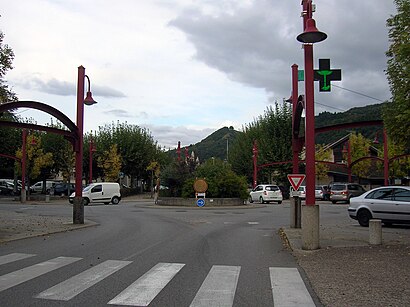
[359, 276]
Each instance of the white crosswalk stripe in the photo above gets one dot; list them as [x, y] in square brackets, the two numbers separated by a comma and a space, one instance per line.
[288, 288]
[218, 288]
[147, 287]
[14, 257]
[75, 285]
[15, 278]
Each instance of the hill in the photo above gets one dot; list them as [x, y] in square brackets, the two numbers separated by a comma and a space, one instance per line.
[215, 145]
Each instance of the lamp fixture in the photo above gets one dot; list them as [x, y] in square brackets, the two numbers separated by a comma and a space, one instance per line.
[311, 34]
[89, 98]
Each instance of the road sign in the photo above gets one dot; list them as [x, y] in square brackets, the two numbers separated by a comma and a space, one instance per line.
[200, 202]
[296, 180]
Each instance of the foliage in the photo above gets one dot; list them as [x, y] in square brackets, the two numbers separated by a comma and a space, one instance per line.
[37, 161]
[322, 154]
[6, 59]
[398, 167]
[222, 181]
[397, 113]
[110, 162]
[360, 148]
[135, 145]
[273, 133]
[174, 176]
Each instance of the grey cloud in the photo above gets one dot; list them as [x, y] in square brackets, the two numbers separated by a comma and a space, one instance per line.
[256, 45]
[126, 114]
[63, 88]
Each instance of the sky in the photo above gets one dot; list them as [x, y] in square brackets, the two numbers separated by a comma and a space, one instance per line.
[185, 68]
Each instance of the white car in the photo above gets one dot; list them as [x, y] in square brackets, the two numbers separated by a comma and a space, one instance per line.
[301, 191]
[390, 204]
[266, 193]
[101, 192]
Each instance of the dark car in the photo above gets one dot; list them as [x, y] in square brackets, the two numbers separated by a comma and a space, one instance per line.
[285, 191]
[64, 189]
[6, 188]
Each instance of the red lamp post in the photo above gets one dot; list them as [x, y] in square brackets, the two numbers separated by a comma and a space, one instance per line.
[78, 206]
[92, 149]
[255, 163]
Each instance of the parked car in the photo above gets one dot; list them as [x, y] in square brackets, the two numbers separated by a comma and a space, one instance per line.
[64, 188]
[266, 193]
[38, 186]
[345, 191]
[390, 204]
[6, 188]
[301, 190]
[322, 192]
[101, 192]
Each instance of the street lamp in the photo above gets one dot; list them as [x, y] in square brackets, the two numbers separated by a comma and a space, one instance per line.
[78, 206]
[310, 218]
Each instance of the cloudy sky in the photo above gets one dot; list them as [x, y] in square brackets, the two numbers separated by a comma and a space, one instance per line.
[184, 68]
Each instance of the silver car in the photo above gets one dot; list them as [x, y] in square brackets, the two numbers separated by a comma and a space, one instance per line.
[345, 191]
[390, 204]
[266, 193]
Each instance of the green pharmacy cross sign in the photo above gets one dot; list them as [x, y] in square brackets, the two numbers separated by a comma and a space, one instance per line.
[324, 75]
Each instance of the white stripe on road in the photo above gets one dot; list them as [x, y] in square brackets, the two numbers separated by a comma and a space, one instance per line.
[14, 257]
[253, 223]
[147, 287]
[75, 285]
[218, 288]
[288, 288]
[15, 278]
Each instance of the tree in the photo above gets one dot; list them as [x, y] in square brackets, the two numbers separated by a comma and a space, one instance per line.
[273, 133]
[360, 148]
[396, 114]
[37, 162]
[110, 162]
[6, 59]
[322, 154]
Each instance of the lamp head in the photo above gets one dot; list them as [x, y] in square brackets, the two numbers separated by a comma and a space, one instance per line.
[89, 101]
[311, 34]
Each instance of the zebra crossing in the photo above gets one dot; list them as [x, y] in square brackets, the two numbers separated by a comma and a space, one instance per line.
[218, 288]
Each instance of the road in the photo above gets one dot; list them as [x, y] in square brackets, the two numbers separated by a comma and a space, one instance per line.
[144, 256]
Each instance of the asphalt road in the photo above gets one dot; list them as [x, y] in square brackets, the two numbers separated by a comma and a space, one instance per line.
[139, 256]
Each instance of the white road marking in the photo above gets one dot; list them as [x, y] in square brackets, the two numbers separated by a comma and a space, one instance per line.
[288, 288]
[69, 288]
[147, 287]
[14, 257]
[253, 223]
[218, 288]
[15, 278]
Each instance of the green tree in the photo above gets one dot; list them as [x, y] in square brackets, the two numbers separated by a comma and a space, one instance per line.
[360, 148]
[6, 60]
[37, 161]
[396, 114]
[174, 175]
[222, 181]
[322, 154]
[110, 162]
[273, 133]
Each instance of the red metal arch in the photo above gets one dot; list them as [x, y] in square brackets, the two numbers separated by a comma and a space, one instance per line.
[72, 134]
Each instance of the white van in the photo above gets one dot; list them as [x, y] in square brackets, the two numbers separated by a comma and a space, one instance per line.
[100, 192]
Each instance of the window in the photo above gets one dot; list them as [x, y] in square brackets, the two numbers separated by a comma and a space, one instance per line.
[272, 188]
[402, 195]
[97, 188]
[383, 194]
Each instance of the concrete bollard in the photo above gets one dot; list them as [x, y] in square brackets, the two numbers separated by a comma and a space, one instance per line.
[47, 198]
[375, 232]
[310, 227]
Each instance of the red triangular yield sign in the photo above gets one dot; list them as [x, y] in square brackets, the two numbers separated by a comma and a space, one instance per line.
[296, 180]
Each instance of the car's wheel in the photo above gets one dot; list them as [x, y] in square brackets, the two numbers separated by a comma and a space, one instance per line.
[388, 224]
[250, 199]
[364, 216]
[106, 203]
[279, 202]
[261, 200]
[334, 202]
[86, 201]
[115, 200]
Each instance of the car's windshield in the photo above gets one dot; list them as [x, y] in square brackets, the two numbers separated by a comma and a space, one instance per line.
[87, 188]
[272, 188]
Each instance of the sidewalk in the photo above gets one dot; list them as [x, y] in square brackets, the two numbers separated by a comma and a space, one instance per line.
[347, 271]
